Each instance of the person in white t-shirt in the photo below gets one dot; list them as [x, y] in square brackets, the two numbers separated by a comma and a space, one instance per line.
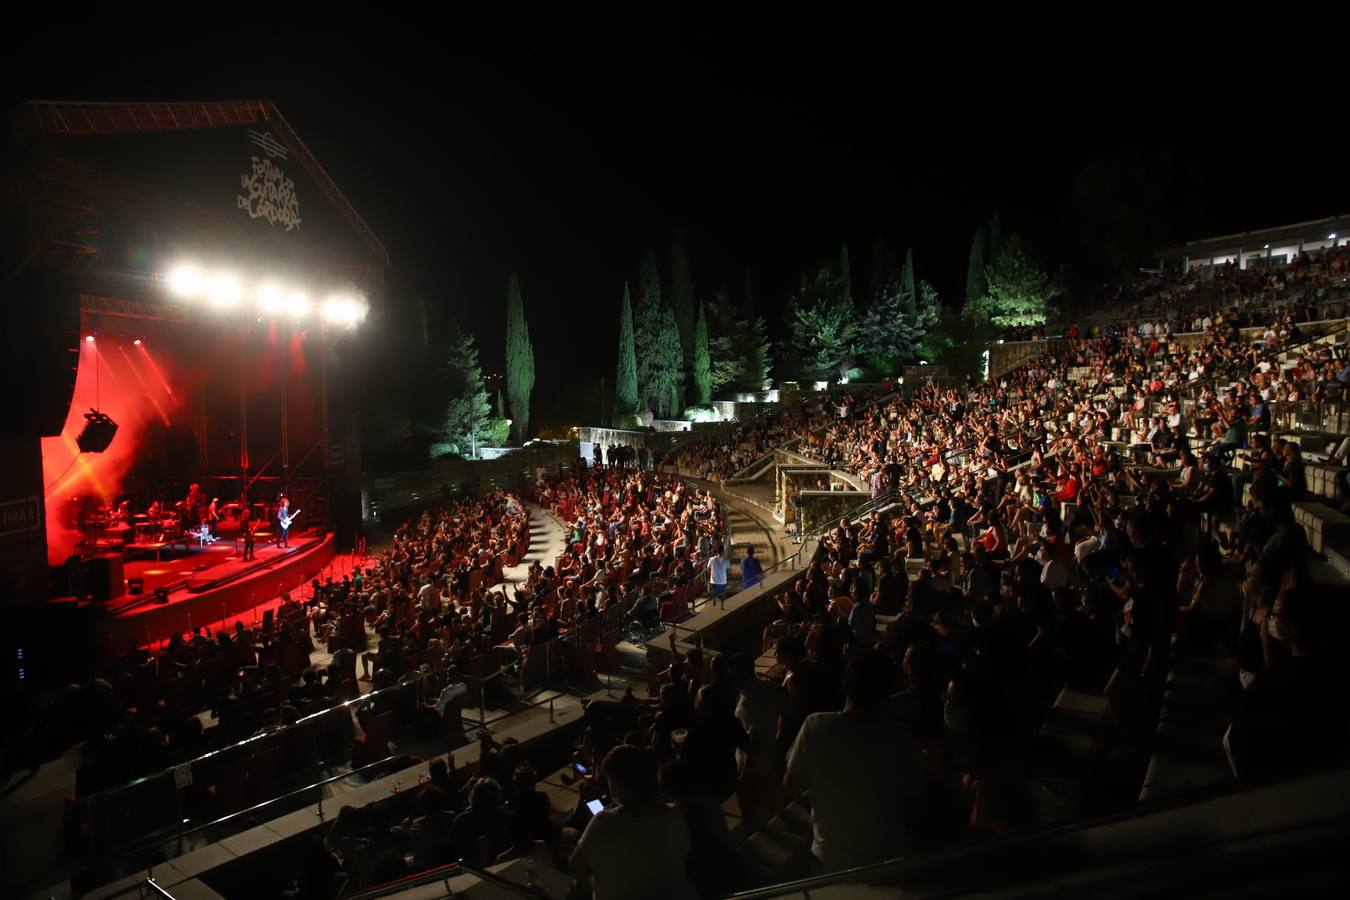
[718, 567]
[864, 770]
[639, 848]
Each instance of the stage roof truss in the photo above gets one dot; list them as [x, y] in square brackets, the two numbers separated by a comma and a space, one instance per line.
[44, 117]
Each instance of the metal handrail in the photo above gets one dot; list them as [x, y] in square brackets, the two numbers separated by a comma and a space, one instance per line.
[270, 735]
[944, 858]
[1193, 389]
[132, 849]
[445, 873]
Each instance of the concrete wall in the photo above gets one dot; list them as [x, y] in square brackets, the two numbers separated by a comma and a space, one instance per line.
[387, 493]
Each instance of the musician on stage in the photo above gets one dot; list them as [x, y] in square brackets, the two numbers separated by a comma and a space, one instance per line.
[283, 521]
[247, 524]
[213, 516]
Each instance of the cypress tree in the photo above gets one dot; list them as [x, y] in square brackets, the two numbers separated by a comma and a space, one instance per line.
[908, 298]
[626, 380]
[846, 273]
[656, 339]
[682, 296]
[519, 361]
[975, 279]
[995, 245]
[702, 362]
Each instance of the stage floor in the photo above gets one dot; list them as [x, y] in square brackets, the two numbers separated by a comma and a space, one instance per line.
[219, 560]
[209, 586]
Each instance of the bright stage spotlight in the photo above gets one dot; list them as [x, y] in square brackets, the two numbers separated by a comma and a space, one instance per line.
[271, 299]
[223, 291]
[136, 342]
[89, 339]
[185, 281]
[297, 305]
[344, 310]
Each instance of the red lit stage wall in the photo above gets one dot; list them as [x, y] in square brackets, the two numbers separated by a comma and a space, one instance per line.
[198, 401]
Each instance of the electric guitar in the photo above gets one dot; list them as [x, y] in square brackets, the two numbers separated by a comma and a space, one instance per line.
[287, 520]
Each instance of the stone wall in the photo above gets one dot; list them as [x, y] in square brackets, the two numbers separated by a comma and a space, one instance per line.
[820, 508]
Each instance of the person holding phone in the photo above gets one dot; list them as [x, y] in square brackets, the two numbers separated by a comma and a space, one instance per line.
[640, 846]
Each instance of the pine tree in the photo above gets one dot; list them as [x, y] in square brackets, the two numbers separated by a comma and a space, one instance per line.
[626, 379]
[468, 416]
[938, 323]
[702, 363]
[822, 327]
[519, 361]
[891, 330]
[975, 283]
[1018, 291]
[738, 347]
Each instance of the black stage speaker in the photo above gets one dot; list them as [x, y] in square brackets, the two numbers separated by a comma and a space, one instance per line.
[97, 433]
[103, 577]
[40, 350]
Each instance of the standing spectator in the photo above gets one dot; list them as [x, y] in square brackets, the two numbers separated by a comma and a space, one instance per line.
[640, 847]
[718, 567]
[751, 570]
[864, 771]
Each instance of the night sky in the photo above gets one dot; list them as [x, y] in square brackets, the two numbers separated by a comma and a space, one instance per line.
[563, 151]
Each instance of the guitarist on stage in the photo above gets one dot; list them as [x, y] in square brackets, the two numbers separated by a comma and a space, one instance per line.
[247, 526]
[283, 521]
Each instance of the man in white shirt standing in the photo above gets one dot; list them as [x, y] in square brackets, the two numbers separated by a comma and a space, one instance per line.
[718, 567]
[864, 770]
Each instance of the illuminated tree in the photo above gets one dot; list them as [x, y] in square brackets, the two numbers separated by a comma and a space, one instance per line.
[625, 380]
[821, 324]
[891, 330]
[660, 359]
[468, 421]
[740, 355]
[1018, 291]
[519, 361]
[702, 362]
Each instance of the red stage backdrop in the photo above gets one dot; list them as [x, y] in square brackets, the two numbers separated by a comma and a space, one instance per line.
[129, 383]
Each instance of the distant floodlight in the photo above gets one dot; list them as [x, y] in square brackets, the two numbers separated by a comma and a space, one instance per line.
[1266, 247]
[297, 305]
[271, 299]
[185, 281]
[344, 310]
[223, 291]
[1331, 237]
[136, 342]
[89, 339]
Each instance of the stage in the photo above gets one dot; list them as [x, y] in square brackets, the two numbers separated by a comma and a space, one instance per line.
[207, 587]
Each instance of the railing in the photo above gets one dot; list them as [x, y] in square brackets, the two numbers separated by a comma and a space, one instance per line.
[443, 874]
[241, 774]
[180, 837]
[1140, 837]
[572, 658]
[141, 887]
[1193, 389]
